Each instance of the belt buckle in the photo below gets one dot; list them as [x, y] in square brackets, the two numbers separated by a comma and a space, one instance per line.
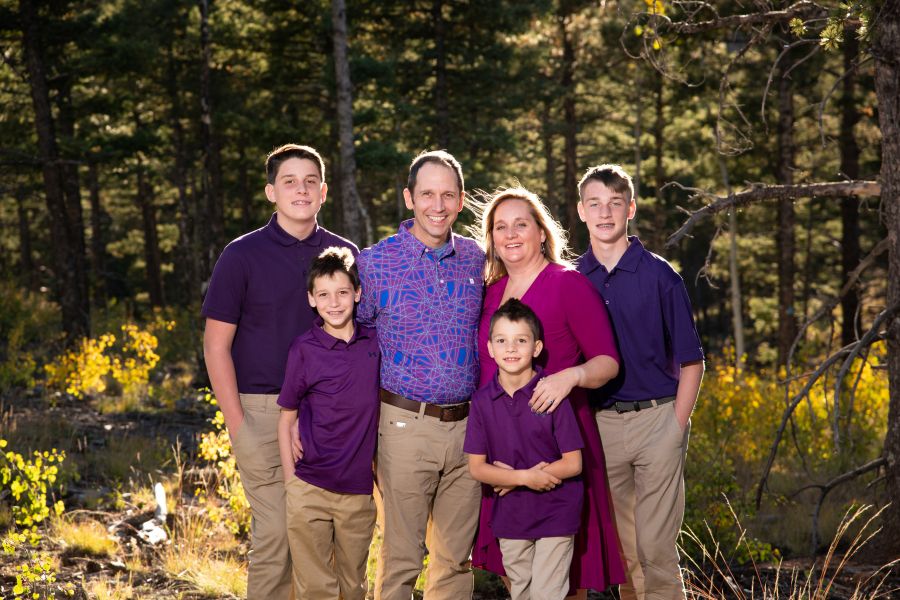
[448, 413]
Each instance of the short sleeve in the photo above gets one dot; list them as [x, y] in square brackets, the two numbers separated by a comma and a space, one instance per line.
[565, 428]
[679, 323]
[295, 380]
[475, 442]
[587, 317]
[365, 311]
[227, 287]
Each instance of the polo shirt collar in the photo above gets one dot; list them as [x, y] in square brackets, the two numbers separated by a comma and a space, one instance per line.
[628, 262]
[414, 245]
[329, 341]
[285, 239]
[496, 390]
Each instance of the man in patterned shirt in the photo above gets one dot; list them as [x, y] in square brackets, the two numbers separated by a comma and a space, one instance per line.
[422, 290]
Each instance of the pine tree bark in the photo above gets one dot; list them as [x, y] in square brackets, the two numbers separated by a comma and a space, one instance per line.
[99, 222]
[786, 243]
[659, 170]
[441, 103]
[550, 196]
[212, 162]
[357, 225]
[152, 256]
[68, 266]
[886, 51]
[570, 121]
[850, 251]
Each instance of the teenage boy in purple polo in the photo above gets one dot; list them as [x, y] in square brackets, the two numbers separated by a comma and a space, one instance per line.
[332, 380]
[422, 290]
[255, 306]
[538, 511]
[644, 415]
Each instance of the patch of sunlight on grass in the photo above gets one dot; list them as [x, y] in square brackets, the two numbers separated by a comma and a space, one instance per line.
[211, 576]
[109, 589]
[85, 537]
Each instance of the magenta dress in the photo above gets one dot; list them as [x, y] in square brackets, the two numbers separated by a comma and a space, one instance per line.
[576, 328]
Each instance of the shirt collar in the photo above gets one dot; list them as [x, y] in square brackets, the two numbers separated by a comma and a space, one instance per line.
[628, 262]
[329, 341]
[417, 247]
[285, 239]
[497, 391]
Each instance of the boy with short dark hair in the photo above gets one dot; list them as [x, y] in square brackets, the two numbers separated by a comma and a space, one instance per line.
[332, 382]
[533, 460]
[644, 416]
[254, 308]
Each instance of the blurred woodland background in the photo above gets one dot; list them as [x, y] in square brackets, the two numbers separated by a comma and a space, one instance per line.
[764, 140]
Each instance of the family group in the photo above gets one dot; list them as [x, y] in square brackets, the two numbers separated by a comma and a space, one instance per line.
[514, 409]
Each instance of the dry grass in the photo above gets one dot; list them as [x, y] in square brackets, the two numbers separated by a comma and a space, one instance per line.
[104, 588]
[717, 580]
[85, 537]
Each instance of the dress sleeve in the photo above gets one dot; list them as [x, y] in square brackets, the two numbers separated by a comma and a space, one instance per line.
[587, 317]
[295, 380]
[227, 288]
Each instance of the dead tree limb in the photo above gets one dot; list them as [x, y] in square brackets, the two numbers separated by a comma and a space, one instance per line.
[761, 18]
[760, 192]
[851, 350]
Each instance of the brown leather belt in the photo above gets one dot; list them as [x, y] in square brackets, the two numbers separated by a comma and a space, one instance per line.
[453, 412]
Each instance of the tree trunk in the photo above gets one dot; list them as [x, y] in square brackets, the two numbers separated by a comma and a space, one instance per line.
[849, 206]
[246, 195]
[886, 50]
[69, 289]
[357, 225]
[99, 221]
[570, 123]
[659, 175]
[550, 196]
[151, 236]
[787, 324]
[442, 111]
[212, 163]
[188, 261]
[26, 263]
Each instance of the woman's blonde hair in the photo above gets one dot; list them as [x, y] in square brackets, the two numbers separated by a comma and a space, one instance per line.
[555, 248]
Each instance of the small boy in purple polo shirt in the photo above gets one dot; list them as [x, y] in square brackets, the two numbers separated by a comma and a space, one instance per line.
[330, 393]
[532, 460]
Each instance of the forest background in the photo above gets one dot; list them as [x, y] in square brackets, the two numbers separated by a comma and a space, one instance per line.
[764, 140]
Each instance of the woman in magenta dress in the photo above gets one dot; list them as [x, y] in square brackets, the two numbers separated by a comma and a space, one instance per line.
[524, 248]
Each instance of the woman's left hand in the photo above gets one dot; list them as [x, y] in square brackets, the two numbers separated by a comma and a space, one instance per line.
[550, 390]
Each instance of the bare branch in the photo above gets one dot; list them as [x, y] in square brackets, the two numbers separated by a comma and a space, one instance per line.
[850, 350]
[761, 18]
[787, 48]
[761, 192]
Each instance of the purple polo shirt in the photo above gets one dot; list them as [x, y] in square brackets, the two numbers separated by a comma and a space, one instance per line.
[259, 284]
[334, 385]
[505, 429]
[425, 303]
[651, 316]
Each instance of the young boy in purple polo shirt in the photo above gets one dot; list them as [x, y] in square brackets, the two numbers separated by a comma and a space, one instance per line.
[644, 416]
[532, 460]
[331, 380]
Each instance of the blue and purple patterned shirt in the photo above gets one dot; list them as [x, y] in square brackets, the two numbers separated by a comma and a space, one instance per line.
[425, 304]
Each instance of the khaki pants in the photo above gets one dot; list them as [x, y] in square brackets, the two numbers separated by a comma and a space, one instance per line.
[255, 449]
[422, 471]
[329, 535]
[645, 453]
[538, 569]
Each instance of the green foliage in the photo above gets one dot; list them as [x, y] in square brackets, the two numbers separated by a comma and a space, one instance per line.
[28, 329]
[29, 483]
[36, 574]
